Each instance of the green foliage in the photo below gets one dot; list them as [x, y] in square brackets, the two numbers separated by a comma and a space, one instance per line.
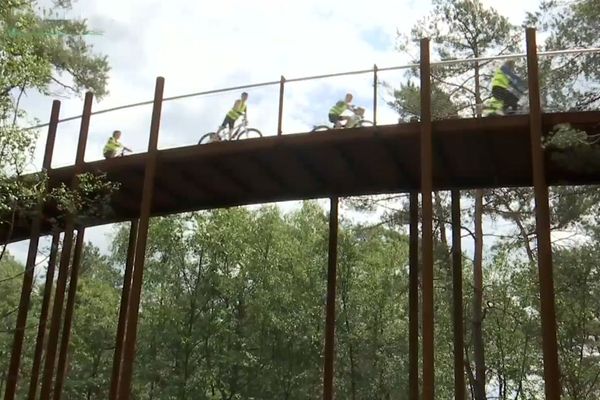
[40, 52]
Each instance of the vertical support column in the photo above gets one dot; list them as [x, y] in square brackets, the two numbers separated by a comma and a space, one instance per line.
[41, 334]
[427, 221]
[123, 311]
[17, 348]
[542, 224]
[280, 115]
[140, 249]
[375, 83]
[61, 283]
[61, 369]
[413, 299]
[330, 310]
[457, 299]
[59, 296]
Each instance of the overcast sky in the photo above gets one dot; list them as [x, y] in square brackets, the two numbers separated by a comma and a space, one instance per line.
[201, 45]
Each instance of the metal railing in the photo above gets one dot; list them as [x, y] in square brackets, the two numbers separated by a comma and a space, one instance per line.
[284, 80]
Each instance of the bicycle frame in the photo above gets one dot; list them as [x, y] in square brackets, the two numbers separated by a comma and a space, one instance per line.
[237, 129]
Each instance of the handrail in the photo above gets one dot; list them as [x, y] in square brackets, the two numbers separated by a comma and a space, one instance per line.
[358, 72]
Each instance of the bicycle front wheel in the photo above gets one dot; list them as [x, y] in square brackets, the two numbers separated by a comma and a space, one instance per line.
[249, 133]
[320, 128]
[207, 138]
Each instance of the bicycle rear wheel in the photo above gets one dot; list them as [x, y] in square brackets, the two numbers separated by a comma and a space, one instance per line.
[208, 138]
[249, 133]
[320, 128]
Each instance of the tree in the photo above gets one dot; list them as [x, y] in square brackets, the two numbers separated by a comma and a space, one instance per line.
[39, 53]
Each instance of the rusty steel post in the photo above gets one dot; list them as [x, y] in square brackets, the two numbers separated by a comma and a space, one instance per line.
[15, 357]
[121, 327]
[280, 115]
[427, 222]
[457, 299]
[413, 299]
[375, 82]
[140, 249]
[542, 223]
[59, 295]
[61, 283]
[61, 368]
[328, 368]
[41, 334]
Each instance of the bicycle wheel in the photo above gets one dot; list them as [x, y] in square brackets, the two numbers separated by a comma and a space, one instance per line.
[207, 138]
[249, 133]
[364, 122]
[320, 128]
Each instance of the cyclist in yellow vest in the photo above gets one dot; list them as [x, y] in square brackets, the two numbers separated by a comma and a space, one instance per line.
[504, 83]
[239, 108]
[113, 145]
[335, 113]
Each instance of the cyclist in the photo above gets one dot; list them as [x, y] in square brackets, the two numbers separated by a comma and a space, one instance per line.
[113, 145]
[239, 108]
[335, 113]
[504, 84]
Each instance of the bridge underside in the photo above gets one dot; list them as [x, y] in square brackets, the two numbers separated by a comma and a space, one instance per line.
[468, 153]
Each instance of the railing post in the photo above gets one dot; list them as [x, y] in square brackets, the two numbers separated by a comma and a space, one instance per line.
[123, 312]
[457, 299]
[375, 84]
[542, 223]
[413, 299]
[427, 222]
[328, 369]
[15, 357]
[280, 115]
[140, 249]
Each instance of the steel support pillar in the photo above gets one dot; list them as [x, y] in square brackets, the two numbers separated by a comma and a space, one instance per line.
[328, 368]
[61, 369]
[427, 222]
[61, 282]
[41, 335]
[17, 348]
[123, 311]
[457, 299]
[542, 224]
[140, 249]
[413, 299]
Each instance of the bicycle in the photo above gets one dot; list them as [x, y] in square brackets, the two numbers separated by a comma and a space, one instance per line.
[522, 105]
[119, 154]
[356, 121]
[240, 131]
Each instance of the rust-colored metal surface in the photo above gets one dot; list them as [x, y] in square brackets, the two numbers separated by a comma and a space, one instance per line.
[457, 300]
[61, 368]
[41, 335]
[131, 320]
[63, 269]
[469, 153]
[33, 232]
[328, 367]
[428, 392]
[542, 225]
[413, 299]
[123, 311]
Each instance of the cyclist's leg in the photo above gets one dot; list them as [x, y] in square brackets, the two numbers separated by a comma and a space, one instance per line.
[110, 154]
